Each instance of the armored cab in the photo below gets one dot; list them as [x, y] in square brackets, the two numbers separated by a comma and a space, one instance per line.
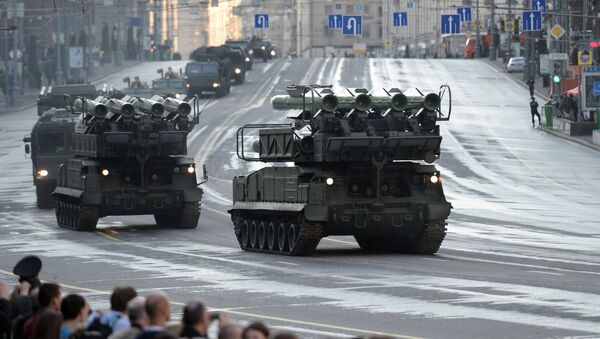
[361, 167]
[208, 72]
[244, 45]
[260, 48]
[54, 96]
[129, 158]
[49, 147]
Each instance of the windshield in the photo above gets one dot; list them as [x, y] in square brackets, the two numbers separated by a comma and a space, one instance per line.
[51, 143]
[241, 44]
[197, 69]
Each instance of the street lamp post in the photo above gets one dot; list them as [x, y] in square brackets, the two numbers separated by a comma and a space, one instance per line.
[59, 73]
[477, 32]
[14, 73]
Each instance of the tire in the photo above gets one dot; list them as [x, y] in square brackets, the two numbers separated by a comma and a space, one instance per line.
[43, 198]
[187, 218]
[271, 237]
[253, 234]
[282, 237]
[262, 235]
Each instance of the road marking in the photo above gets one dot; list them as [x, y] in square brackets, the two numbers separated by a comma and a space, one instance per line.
[252, 315]
[550, 273]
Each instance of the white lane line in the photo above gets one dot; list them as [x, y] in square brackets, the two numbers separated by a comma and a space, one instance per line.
[549, 273]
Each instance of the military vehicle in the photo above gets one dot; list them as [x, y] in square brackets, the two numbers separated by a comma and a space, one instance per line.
[130, 158]
[208, 73]
[49, 147]
[244, 45]
[54, 96]
[228, 55]
[260, 48]
[167, 84]
[357, 171]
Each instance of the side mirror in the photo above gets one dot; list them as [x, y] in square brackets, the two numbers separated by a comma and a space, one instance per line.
[205, 173]
[27, 149]
[27, 138]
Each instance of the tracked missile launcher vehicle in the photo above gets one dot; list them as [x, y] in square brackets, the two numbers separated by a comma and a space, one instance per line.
[130, 158]
[361, 167]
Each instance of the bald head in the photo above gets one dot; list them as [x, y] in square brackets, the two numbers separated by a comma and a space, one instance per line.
[158, 308]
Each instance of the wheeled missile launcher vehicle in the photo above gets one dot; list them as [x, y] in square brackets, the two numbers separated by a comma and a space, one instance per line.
[130, 158]
[207, 73]
[260, 48]
[49, 147]
[232, 56]
[54, 96]
[362, 167]
[244, 45]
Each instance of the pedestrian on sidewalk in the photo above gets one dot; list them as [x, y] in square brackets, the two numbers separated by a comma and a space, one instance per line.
[534, 111]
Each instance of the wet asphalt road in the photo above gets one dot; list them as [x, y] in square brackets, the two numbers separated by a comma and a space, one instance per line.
[521, 259]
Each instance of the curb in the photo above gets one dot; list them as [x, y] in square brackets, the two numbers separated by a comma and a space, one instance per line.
[573, 139]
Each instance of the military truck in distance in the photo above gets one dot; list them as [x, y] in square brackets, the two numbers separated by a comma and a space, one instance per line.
[231, 55]
[357, 172]
[54, 96]
[207, 73]
[260, 48]
[244, 45]
[130, 158]
[49, 147]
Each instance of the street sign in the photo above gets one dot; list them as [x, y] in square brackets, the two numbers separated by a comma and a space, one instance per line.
[261, 21]
[596, 88]
[387, 44]
[544, 63]
[400, 19]
[466, 13]
[352, 25]
[585, 58]
[335, 21]
[559, 56]
[539, 5]
[532, 21]
[76, 57]
[450, 24]
[509, 25]
[557, 31]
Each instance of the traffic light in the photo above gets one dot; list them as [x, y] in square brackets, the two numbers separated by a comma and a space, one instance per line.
[556, 77]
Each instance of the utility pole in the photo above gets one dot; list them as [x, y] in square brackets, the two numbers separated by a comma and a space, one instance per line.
[494, 32]
[14, 83]
[59, 73]
[477, 32]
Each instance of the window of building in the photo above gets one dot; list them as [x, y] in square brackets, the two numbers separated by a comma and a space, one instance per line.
[350, 9]
[338, 7]
[366, 31]
[328, 9]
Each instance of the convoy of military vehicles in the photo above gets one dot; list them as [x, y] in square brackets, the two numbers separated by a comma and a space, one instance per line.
[362, 161]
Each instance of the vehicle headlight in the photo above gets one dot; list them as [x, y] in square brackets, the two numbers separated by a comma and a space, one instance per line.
[191, 170]
[273, 53]
[105, 172]
[216, 85]
[42, 173]
[263, 48]
[434, 179]
[329, 181]
[251, 52]
[247, 59]
[238, 71]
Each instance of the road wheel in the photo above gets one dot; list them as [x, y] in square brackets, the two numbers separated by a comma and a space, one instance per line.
[271, 236]
[262, 235]
[430, 240]
[292, 236]
[282, 237]
[245, 234]
[253, 234]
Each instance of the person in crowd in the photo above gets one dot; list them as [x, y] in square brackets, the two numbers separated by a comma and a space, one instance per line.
[28, 270]
[158, 309]
[136, 310]
[256, 330]
[231, 331]
[573, 102]
[195, 320]
[5, 312]
[285, 335]
[75, 310]
[116, 318]
[534, 112]
[49, 298]
[48, 326]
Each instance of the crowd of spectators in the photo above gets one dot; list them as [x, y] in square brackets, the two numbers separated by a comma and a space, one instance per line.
[36, 310]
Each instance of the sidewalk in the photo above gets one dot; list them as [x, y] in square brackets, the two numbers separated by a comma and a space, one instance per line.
[28, 99]
[542, 93]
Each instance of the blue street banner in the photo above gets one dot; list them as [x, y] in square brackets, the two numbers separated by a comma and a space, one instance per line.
[532, 21]
[400, 19]
[539, 5]
[352, 25]
[335, 21]
[466, 14]
[450, 24]
[261, 21]
[597, 88]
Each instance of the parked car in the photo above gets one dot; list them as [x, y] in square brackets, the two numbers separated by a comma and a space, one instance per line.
[515, 64]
